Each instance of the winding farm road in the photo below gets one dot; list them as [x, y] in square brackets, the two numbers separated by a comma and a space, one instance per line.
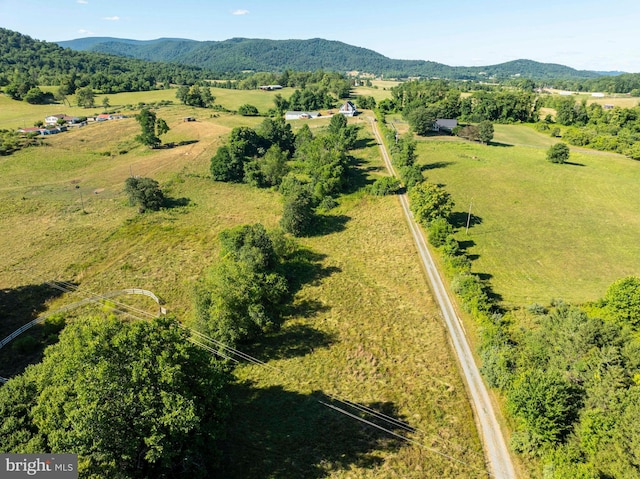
[496, 451]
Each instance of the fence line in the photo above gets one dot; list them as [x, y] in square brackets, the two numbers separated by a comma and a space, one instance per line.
[93, 299]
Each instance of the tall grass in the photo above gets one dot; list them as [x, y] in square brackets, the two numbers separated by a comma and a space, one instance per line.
[363, 327]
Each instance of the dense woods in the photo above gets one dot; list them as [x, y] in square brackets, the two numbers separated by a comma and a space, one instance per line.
[26, 63]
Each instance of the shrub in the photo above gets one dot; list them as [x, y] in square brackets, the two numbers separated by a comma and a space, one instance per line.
[558, 153]
[25, 344]
[145, 193]
[248, 110]
[439, 231]
[387, 185]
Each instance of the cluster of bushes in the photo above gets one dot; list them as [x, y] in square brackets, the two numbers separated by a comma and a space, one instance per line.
[616, 130]
[244, 294]
[309, 171]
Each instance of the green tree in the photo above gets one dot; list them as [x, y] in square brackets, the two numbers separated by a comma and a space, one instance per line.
[124, 396]
[248, 110]
[439, 230]
[227, 167]
[243, 295]
[145, 193]
[105, 102]
[558, 153]
[430, 201]
[152, 127]
[485, 131]
[298, 216]
[546, 403]
[36, 96]
[274, 166]
[85, 97]
[421, 120]
[622, 301]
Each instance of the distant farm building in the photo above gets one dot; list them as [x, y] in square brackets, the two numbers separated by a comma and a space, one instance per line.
[189, 118]
[301, 115]
[597, 95]
[54, 119]
[607, 106]
[41, 131]
[445, 125]
[270, 87]
[348, 109]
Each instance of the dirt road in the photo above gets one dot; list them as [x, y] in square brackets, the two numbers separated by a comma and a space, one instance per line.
[496, 451]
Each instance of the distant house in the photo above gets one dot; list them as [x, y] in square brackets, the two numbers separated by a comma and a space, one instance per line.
[597, 95]
[348, 109]
[270, 87]
[53, 119]
[104, 117]
[41, 131]
[607, 106]
[445, 125]
[301, 115]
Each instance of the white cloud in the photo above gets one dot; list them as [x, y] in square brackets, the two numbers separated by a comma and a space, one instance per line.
[112, 19]
[83, 2]
[240, 12]
[85, 32]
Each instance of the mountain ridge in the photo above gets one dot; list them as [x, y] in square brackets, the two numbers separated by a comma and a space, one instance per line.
[240, 54]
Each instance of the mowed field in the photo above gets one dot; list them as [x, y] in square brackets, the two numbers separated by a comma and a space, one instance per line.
[364, 328]
[542, 230]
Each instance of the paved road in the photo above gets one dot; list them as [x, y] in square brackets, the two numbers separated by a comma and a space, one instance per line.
[497, 454]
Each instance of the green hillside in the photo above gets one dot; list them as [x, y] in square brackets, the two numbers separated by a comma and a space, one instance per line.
[239, 54]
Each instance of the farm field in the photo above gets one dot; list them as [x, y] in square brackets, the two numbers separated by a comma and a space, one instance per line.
[541, 230]
[365, 329]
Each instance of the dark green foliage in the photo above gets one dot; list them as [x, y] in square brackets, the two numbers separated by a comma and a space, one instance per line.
[248, 110]
[124, 397]
[274, 166]
[240, 54]
[439, 231]
[303, 135]
[430, 201]
[28, 63]
[244, 293]
[145, 193]
[404, 151]
[546, 403]
[366, 102]
[195, 95]
[422, 119]
[485, 131]
[298, 216]
[385, 186]
[472, 292]
[225, 167]
[85, 97]
[36, 96]
[25, 344]
[622, 301]
[558, 153]
[152, 127]
[411, 176]
[275, 131]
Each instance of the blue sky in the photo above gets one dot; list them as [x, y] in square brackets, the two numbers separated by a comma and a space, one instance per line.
[583, 34]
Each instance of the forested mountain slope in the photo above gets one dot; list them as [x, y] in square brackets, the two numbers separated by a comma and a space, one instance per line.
[238, 54]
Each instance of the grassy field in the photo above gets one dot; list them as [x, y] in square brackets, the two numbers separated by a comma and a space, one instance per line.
[363, 328]
[542, 230]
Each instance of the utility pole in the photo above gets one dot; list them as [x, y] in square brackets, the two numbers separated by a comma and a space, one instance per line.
[82, 202]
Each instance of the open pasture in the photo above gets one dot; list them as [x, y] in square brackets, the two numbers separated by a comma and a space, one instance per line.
[363, 327]
[541, 230]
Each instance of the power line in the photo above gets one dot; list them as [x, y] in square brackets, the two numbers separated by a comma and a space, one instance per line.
[228, 353]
